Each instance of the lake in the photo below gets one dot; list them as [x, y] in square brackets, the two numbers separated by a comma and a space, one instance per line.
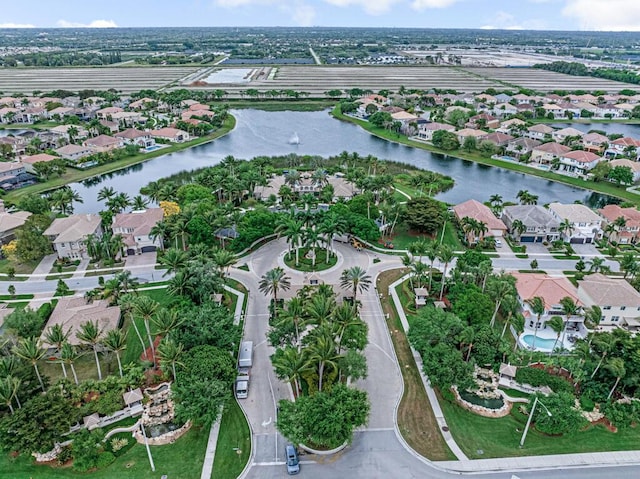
[260, 133]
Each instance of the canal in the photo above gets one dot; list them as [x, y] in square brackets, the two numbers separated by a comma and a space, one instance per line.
[261, 133]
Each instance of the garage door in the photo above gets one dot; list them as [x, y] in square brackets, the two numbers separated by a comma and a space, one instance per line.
[131, 252]
[577, 241]
[148, 249]
[527, 239]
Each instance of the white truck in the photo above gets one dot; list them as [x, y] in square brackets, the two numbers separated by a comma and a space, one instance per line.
[245, 361]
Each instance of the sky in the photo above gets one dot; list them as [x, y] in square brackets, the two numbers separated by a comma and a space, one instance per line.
[606, 15]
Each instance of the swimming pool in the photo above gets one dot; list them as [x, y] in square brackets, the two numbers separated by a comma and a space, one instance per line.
[152, 148]
[541, 343]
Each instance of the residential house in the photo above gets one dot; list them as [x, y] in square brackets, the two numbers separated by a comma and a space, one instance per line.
[586, 225]
[540, 225]
[498, 139]
[608, 110]
[173, 135]
[13, 175]
[579, 161]
[128, 119]
[133, 136]
[9, 115]
[633, 165]
[73, 152]
[617, 299]
[470, 133]
[142, 103]
[483, 120]
[547, 152]
[10, 222]
[103, 143]
[342, 188]
[521, 98]
[558, 111]
[107, 113]
[626, 146]
[69, 235]
[482, 213]
[518, 147]
[63, 130]
[514, 125]
[595, 142]
[61, 112]
[135, 228]
[561, 135]
[10, 168]
[539, 132]
[113, 126]
[18, 144]
[426, 131]
[31, 160]
[552, 290]
[630, 232]
[72, 312]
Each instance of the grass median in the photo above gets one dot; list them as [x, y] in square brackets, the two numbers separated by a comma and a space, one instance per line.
[416, 420]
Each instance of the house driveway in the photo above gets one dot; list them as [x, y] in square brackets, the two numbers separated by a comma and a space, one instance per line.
[44, 268]
[143, 260]
[536, 248]
[586, 250]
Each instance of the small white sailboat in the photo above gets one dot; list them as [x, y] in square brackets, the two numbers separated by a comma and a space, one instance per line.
[295, 139]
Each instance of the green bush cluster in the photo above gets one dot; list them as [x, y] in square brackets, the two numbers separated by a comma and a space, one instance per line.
[539, 377]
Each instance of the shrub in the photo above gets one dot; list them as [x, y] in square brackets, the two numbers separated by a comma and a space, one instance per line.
[118, 443]
[622, 415]
[539, 377]
[586, 403]
[45, 311]
[563, 418]
[105, 459]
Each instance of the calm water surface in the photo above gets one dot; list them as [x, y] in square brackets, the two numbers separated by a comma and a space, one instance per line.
[267, 133]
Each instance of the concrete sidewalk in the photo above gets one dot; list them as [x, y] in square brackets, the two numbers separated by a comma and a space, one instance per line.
[556, 461]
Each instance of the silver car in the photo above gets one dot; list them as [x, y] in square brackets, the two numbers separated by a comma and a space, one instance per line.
[293, 465]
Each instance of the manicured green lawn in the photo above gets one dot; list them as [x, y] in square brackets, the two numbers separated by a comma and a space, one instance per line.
[21, 267]
[402, 237]
[500, 437]
[306, 264]
[234, 443]
[160, 295]
[181, 460]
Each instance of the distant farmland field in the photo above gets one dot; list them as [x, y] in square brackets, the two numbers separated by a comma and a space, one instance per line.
[317, 79]
[125, 79]
[543, 80]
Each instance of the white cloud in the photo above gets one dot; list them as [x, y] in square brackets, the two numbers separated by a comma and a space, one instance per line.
[608, 15]
[16, 25]
[424, 4]
[304, 15]
[372, 7]
[240, 3]
[301, 13]
[93, 24]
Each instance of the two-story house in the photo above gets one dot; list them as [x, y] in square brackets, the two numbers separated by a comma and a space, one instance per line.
[617, 299]
[539, 132]
[133, 136]
[519, 147]
[482, 213]
[135, 228]
[69, 235]
[74, 152]
[586, 225]
[426, 130]
[547, 152]
[579, 161]
[630, 232]
[595, 142]
[539, 224]
[103, 143]
[561, 135]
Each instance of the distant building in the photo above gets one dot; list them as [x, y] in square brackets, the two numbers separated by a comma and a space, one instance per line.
[135, 228]
[69, 235]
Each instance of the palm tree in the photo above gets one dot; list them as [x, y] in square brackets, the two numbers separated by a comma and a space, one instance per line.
[273, 281]
[69, 355]
[511, 306]
[90, 333]
[431, 252]
[355, 278]
[56, 336]
[603, 342]
[293, 313]
[8, 390]
[105, 193]
[166, 320]
[160, 230]
[31, 350]
[180, 284]
[145, 308]
[538, 308]
[139, 203]
[557, 324]
[323, 353]
[418, 270]
[616, 367]
[566, 228]
[170, 353]
[292, 229]
[319, 309]
[419, 248]
[224, 259]
[445, 255]
[174, 260]
[518, 227]
[116, 341]
[498, 288]
[342, 317]
[593, 316]
[289, 364]
[466, 337]
[496, 203]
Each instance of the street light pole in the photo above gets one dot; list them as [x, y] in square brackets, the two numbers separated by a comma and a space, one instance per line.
[533, 410]
[146, 443]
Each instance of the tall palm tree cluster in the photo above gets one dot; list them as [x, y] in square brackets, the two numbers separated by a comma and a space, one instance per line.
[473, 229]
[432, 251]
[318, 342]
[308, 230]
